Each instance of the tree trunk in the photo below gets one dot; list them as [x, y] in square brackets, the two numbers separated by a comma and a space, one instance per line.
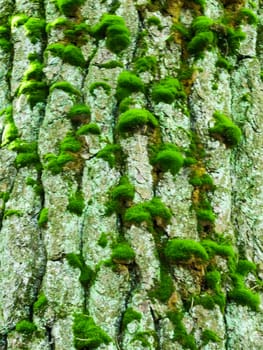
[131, 179]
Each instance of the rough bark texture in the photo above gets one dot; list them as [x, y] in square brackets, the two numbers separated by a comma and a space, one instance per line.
[135, 248]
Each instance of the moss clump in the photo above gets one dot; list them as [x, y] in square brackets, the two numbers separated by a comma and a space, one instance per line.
[27, 153]
[65, 86]
[213, 280]
[68, 53]
[209, 336]
[146, 64]
[103, 240]
[26, 327]
[70, 143]
[224, 63]
[110, 153]
[119, 196]
[167, 90]
[234, 38]
[18, 20]
[205, 215]
[111, 64]
[245, 266]
[11, 212]
[79, 113]
[56, 163]
[43, 217]
[100, 84]
[154, 21]
[213, 248]
[153, 211]
[76, 203]
[225, 130]
[87, 334]
[209, 301]
[40, 303]
[130, 315]
[135, 119]
[247, 15]
[168, 158]
[35, 91]
[34, 71]
[86, 273]
[35, 28]
[114, 29]
[178, 250]
[244, 296]
[69, 7]
[164, 288]
[5, 42]
[91, 128]
[10, 132]
[127, 84]
[201, 24]
[200, 42]
[123, 253]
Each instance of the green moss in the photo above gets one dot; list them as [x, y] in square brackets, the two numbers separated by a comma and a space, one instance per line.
[201, 42]
[26, 327]
[103, 240]
[154, 21]
[182, 29]
[164, 289]
[68, 53]
[76, 203]
[167, 90]
[146, 64]
[208, 301]
[114, 29]
[58, 22]
[77, 33]
[202, 24]
[40, 303]
[248, 15]
[178, 250]
[69, 7]
[204, 180]
[168, 158]
[110, 153]
[35, 28]
[209, 336]
[119, 196]
[98, 85]
[213, 280]
[225, 130]
[224, 63]
[244, 296]
[43, 217]
[127, 84]
[205, 215]
[234, 38]
[245, 266]
[65, 86]
[214, 248]
[35, 91]
[123, 253]
[70, 143]
[27, 153]
[79, 113]
[11, 212]
[87, 334]
[130, 315]
[36, 185]
[34, 71]
[142, 337]
[18, 20]
[125, 104]
[149, 212]
[5, 43]
[111, 64]
[135, 119]
[55, 163]
[10, 131]
[86, 273]
[91, 128]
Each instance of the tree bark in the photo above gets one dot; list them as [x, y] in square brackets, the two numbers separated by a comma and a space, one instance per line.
[131, 174]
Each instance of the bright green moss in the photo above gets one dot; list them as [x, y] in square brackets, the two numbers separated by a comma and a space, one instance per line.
[119, 196]
[35, 91]
[100, 84]
[58, 22]
[40, 303]
[86, 273]
[135, 119]
[103, 240]
[18, 20]
[10, 132]
[158, 209]
[35, 28]
[69, 7]
[209, 301]
[164, 289]
[34, 71]
[77, 33]
[225, 130]
[184, 249]
[234, 38]
[43, 217]
[204, 180]
[245, 266]
[200, 42]
[111, 64]
[146, 64]
[87, 335]
[5, 42]
[224, 63]
[167, 90]
[244, 296]
[125, 104]
[123, 253]
[91, 128]
[130, 315]
[79, 113]
[68, 53]
[202, 24]
[114, 29]
[168, 158]
[70, 143]
[27, 153]
[36, 185]
[65, 86]
[248, 15]
[154, 21]
[110, 153]
[205, 215]
[127, 84]
[182, 29]
[213, 280]
[26, 327]
[214, 248]
[209, 336]
[76, 203]
[138, 214]
[55, 163]
[11, 212]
